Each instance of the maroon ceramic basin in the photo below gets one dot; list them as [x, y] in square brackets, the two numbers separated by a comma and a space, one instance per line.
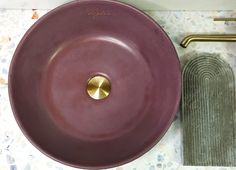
[49, 74]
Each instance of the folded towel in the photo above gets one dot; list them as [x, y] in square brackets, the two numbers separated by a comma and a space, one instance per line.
[208, 112]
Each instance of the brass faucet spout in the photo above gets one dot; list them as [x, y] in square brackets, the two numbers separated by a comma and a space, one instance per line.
[212, 37]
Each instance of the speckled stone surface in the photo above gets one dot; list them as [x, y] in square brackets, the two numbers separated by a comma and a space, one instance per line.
[16, 152]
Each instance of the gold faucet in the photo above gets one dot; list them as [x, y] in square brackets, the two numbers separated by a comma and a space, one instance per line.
[210, 37]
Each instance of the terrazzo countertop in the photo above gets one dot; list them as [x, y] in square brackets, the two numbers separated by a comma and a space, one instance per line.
[17, 153]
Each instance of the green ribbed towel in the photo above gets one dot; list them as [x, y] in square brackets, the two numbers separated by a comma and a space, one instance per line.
[208, 112]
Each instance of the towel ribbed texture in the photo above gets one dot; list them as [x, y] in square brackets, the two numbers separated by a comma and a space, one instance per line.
[208, 112]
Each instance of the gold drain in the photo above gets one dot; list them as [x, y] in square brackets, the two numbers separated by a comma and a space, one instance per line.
[98, 87]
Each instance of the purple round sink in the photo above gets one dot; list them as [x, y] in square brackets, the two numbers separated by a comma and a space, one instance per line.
[94, 84]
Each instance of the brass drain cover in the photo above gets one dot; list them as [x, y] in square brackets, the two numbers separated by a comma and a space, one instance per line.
[98, 87]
